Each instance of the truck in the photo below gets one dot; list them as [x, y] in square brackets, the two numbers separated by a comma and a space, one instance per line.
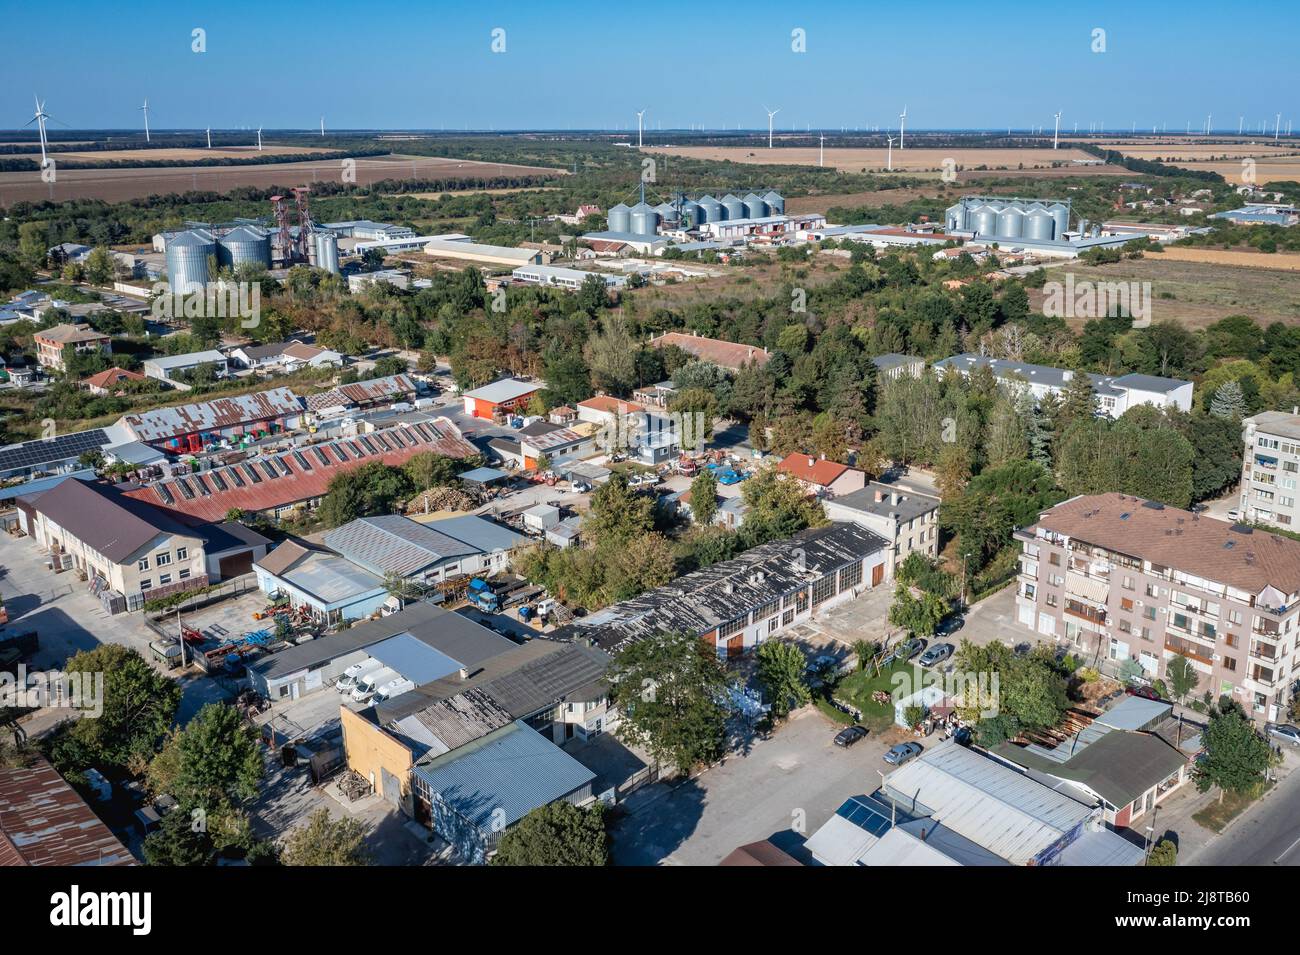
[348, 681]
[482, 597]
[372, 681]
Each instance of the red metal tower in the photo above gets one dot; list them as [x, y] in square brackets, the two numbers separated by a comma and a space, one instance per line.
[284, 240]
[300, 194]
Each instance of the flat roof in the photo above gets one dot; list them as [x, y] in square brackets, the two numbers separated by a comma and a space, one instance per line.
[506, 389]
[908, 505]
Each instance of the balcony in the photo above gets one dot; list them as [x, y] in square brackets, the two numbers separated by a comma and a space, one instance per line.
[1190, 650]
[1083, 612]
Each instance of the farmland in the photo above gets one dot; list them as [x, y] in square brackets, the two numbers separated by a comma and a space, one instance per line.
[867, 160]
[1195, 292]
[179, 154]
[117, 185]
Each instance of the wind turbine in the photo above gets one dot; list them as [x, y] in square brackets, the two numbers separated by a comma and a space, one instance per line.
[259, 139]
[1208, 119]
[771, 113]
[902, 125]
[1056, 136]
[209, 132]
[39, 119]
[1277, 128]
[639, 117]
[821, 151]
[145, 109]
[1241, 121]
[322, 125]
[889, 154]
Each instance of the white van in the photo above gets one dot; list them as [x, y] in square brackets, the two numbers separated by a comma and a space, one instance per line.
[348, 681]
[391, 689]
[401, 406]
[368, 684]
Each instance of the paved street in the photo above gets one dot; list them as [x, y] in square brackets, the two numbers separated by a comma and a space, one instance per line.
[1268, 833]
[793, 781]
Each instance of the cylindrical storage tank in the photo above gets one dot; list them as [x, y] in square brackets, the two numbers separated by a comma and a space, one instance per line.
[327, 251]
[243, 245]
[644, 220]
[711, 210]
[982, 220]
[1011, 222]
[187, 261]
[954, 218]
[667, 212]
[1039, 225]
[620, 218]
[691, 214]
[755, 207]
[1061, 214]
[775, 203]
[734, 207]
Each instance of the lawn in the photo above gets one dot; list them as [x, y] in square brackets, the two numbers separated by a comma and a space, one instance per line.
[1221, 812]
[856, 689]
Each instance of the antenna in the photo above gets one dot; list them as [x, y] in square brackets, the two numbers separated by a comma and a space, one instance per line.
[639, 116]
[145, 109]
[1056, 136]
[39, 119]
[902, 125]
[771, 113]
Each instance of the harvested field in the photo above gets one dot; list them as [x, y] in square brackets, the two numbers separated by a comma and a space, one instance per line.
[183, 154]
[1249, 259]
[869, 160]
[117, 185]
[1266, 170]
[482, 192]
[1202, 292]
[1196, 152]
[801, 205]
[743, 282]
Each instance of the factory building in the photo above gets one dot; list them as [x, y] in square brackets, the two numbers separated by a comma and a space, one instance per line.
[557, 277]
[479, 254]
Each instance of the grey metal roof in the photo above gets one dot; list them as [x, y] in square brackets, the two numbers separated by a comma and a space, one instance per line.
[1281, 423]
[485, 536]
[483, 475]
[106, 520]
[511, 771]
[1148, 383]
[704, 599]
[414, 659]
[455, 635]
[394, 544]
[1058, 377]
[895, 360]
[1135, 713]
[506, 389]
[908, 506]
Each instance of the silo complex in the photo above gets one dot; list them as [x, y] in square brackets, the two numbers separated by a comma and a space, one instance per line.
[1009, 218]
[711, 210]
[620, 218]
[244, 245]
[644, 219]
[734, 206]
[1011, 222]
[327, 251]
[755, 207]
[775, 203]
[187, 260]
[691, 214]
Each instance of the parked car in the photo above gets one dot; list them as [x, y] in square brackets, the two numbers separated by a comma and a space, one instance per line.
[850, 735]
[1234, 515]
[906, 650]
[1143, 691]
[936, 653]
[1284, 731]
[950, 625]
[731, 476]
[901, 753]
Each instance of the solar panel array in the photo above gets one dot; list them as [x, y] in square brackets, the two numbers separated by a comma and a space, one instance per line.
[866, 815]
[49, 450]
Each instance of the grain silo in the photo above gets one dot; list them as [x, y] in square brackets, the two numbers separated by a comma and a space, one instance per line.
[644, 220]
[1039, 225]
[691, 214]
[620, 218]
[1061, 214]
[755, 207]
[666, 212]
[982, 220]
[327, 251]
[711, 209]
[187, 260]
[775, 203]
[1011, 222]
[954, 218]
[244, 245]
[734, 206]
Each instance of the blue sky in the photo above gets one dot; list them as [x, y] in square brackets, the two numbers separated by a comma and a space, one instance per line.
[592, 64]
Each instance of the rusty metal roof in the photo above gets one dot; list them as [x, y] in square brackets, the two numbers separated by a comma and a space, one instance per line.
[363, 392]
[44, 822]
[163, 423]
[269, 481]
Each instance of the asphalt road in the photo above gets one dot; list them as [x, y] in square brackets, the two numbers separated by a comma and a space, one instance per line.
[1268, 834]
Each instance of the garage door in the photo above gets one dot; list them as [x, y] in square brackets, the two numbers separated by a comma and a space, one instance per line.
[235, 565]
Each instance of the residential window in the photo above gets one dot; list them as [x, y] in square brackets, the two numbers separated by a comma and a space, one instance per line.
[1234, 616]
[1054, 559]
[185, 575]
[146, 584]
[142, 563]
[1149, 612]
[182, 553]
[1146, 633]
[1125, 627]
[1152, 590]
[1050, 600]
[162, 559]
[1230, 664]
[1231, 639]
[1128, 583]
[1125, 603]
[164, 580]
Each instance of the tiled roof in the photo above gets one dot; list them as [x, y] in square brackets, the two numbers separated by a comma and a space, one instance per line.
[813, 470]
[44, 822]
[163, 423]
[724, 353]
[1195, 544]
[111, 377]
[70, 334]
[611, 405]
[275, 480]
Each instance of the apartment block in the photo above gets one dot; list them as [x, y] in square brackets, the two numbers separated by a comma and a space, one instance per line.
[1117, 578]
[1270, 468]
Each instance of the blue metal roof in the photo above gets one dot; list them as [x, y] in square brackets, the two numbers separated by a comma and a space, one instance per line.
[512, 769]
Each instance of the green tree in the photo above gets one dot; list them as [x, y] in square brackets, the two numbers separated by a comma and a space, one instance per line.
[1163, 853]
[611, 356]
[669, 688]
[781, 669]
[1236, 756]
[918, 615]
[1182, 677]
[323, 841]
[617, 514]
[100, 266]
[178, 842]
[558, 834]
[704, 498]
[1229, 402]
[215, 761]
[373, 488]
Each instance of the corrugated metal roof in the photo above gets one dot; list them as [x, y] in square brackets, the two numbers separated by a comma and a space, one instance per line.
[506, 389]
[363, 393]
[414, 659]
[278, 480]
[511, 771]
[990, 804]
[44, 822]
[163, 423]
[391, 543]
[485, 536]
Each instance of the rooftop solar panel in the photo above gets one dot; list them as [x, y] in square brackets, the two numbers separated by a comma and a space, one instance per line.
[46, 450]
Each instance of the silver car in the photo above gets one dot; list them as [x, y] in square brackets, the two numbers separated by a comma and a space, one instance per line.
[901, 753]
[1284, 731]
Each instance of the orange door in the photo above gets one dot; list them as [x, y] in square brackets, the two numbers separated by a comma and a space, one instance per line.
[877, 574]
[736, 645]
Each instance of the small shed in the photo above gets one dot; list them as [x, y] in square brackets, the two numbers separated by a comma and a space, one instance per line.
[483, 476]
[541, 517]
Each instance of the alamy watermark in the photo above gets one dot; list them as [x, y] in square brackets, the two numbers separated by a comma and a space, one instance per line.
[978, 691]
[1071, 299]
[632, 430]
[242, 300]
[53, 688]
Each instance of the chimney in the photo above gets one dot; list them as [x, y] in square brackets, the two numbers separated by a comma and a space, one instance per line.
[893, 498]
[463, 673]
[880, 496]
[924, 832]
[811, 462]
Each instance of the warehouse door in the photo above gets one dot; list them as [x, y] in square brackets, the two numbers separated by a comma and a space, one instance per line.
[736, 645]
[235, 565]
[877, 575]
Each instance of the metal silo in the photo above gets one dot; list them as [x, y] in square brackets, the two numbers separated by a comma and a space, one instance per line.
[245, 244]
[644, 220]
[775, 203]
[1039, 225]
[755, 207]
[691, 213]
[734, 207]
[711, 210]
[327, 251]
[1061, 214]
[187, 260]
[667, 212]
[954, 218]
[1011, 222]
[620, 218]
[982, 220]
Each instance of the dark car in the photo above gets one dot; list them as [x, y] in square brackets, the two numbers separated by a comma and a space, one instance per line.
[1143, 691]
[901, 753]
[907, 649]
[936, 653]
[850, 735]
[950, 626]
